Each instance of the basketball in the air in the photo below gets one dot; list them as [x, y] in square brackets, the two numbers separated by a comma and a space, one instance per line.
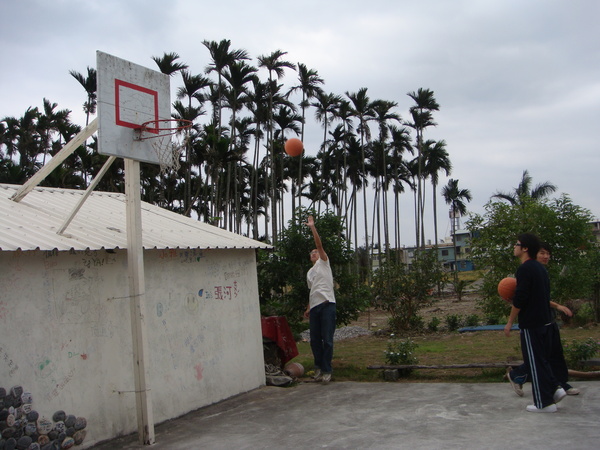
[294, 147]
[506, 288]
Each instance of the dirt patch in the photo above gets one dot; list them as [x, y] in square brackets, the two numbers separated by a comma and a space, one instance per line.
[440, 307]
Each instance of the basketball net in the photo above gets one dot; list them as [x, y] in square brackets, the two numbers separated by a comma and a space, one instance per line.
[168, 138]
[168, 150]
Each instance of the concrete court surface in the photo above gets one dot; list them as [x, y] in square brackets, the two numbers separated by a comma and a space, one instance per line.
[351, 415]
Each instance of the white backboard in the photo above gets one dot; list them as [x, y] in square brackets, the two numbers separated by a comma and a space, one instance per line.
[129, 95]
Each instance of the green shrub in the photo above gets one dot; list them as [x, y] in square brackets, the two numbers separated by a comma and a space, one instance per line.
[577, 351]
[494, 319]
[472, 320]
[433, 324]
[459, 288]
[282, 286]
[403, 290]
[417, 323]
[584, 315]
[401, 352]
[453, 321]
[561, 223]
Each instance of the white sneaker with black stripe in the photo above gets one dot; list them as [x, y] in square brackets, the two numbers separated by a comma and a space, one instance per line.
[318, 375]
[547, 409]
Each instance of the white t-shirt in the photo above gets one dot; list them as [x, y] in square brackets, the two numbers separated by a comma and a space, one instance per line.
[320, 282]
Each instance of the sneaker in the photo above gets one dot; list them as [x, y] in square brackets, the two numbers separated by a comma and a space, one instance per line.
[559, 395]
[520, 380]
[518, 388]
[548, 409]
[318, 375]
[326, 378]
[573, 391]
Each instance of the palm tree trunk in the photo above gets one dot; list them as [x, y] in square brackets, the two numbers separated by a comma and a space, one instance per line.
[435, 225]
[422, 214]
[254, 181]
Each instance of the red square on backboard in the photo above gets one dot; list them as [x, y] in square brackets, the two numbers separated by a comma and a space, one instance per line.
[130, 98]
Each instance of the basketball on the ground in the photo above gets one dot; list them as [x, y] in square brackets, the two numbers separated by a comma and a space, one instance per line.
[507, 288]
[293, 147]
[294, 369]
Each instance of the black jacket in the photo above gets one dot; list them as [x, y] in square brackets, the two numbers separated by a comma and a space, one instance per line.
[532, 296]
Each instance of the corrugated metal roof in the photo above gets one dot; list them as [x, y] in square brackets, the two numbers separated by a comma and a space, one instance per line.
[32, 224]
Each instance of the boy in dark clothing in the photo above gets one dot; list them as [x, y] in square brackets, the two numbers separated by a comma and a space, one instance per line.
[519, 375]
[557, 359]
[532, 305]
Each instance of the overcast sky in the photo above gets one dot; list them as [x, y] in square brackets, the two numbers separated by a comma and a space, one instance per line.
[518, 82]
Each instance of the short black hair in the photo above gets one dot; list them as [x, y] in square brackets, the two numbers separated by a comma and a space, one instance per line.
[545, 246]
[531, 242]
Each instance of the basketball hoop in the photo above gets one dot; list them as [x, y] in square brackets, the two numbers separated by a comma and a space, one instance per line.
[167, 149]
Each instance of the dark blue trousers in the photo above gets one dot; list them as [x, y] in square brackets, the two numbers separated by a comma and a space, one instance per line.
[556, 359]
[536, 347]
[322, 328]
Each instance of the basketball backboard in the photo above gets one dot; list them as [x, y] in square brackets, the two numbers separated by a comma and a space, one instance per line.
[128, 96]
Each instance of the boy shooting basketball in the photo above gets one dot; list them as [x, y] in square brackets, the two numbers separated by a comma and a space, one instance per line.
[321, 310]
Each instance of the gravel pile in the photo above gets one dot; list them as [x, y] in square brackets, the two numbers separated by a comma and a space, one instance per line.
[341, 333]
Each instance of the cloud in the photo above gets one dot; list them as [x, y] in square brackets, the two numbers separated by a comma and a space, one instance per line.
[517, 82]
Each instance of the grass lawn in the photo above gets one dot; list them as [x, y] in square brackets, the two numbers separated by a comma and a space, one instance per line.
[352, 356]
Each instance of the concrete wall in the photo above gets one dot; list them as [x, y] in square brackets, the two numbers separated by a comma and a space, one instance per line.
[65, 332]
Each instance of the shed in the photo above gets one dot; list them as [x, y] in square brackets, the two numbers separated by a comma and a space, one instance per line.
[65, 329]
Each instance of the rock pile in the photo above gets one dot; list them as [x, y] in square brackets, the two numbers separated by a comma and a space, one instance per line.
[341, 333]
[22, 427]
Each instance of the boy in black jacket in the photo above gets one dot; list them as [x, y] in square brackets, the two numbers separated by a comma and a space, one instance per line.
[532, 305]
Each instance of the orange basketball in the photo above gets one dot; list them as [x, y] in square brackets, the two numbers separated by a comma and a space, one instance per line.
[294, 369]
[506, 288]
[294, 147]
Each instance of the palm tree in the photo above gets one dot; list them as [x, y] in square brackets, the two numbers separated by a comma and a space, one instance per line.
[221, 58]
[238, 74]
[456, 198]
[325, 111]
[354, 166]
[258, 106]
[89, 83]
[256, 206]
[422, 117]
[309, 86]
[412, 168]
[287, 120]
[167, 65]
[382, 110]
[21, 137]
[193, 153]
[524, 191]
[274, 64]
[191, 89]
[344, 114]
[336, 155]
[48, 124]
[309, 80]
[400, 142]
[326, 106]
[244, 131]
[363, 111]
[436, 159]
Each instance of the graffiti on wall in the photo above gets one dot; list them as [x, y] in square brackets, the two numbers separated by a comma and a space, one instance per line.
[186, 256]
[13, 367]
